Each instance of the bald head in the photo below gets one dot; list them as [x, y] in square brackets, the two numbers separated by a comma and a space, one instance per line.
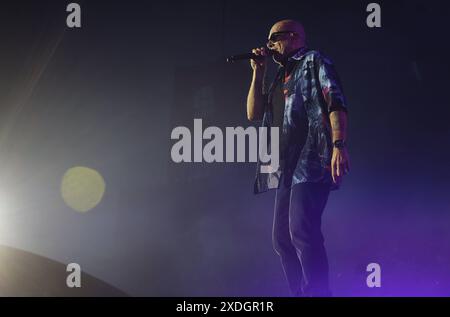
[290, 25]
[285, 36]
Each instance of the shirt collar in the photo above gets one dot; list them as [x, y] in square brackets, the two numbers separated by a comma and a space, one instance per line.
[293, 57]
[299, 54]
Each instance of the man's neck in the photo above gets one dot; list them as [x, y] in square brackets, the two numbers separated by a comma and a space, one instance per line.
[289, 63]
[286, 59]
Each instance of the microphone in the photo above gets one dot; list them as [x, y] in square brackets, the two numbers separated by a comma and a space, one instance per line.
[246, 56]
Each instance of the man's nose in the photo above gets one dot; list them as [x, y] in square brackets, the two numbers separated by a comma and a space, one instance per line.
[269, 44]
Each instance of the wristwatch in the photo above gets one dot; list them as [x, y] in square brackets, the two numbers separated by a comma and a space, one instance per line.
[339, 144]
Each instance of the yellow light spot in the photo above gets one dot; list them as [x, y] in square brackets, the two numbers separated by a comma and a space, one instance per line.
[82, 188]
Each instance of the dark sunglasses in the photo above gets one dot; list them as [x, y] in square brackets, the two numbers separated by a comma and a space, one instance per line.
[277, 36]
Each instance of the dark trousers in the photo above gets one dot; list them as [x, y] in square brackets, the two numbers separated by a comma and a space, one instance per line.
[298, 239]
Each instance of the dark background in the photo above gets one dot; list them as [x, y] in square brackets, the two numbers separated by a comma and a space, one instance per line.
[108, 95]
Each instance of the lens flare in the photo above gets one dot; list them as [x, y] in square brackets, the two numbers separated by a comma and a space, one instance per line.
[82, 188]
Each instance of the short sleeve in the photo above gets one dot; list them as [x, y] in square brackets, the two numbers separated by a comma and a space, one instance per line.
[330, 85]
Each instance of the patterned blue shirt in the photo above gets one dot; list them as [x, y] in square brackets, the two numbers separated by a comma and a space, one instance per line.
[312, 89]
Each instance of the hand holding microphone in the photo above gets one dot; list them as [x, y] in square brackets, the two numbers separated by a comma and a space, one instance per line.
[259, 62]
[258, 58]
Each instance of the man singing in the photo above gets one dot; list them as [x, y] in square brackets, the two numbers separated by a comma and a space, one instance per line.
[307, 103]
